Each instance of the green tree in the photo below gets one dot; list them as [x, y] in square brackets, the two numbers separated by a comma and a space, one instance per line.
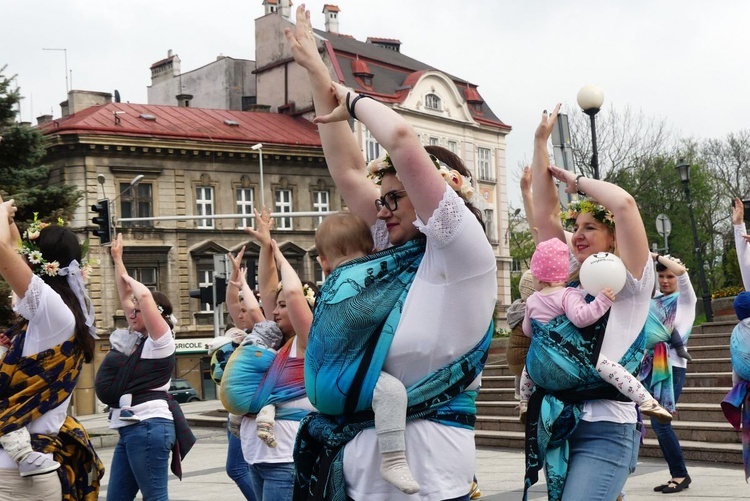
[521, 244]
[23, 177]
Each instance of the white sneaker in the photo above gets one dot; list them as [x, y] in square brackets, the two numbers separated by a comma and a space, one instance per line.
[37, 463]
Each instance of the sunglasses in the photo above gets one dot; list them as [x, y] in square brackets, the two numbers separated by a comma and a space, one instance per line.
[389, 200]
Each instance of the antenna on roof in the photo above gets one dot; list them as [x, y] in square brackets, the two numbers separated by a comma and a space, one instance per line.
[117, 96]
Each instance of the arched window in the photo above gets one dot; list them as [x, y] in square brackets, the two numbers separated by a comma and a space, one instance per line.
[433, 102]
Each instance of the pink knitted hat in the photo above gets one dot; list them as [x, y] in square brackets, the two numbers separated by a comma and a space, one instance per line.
[550, 261]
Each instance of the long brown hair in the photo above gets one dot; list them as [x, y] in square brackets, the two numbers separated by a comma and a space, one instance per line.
[57, 243]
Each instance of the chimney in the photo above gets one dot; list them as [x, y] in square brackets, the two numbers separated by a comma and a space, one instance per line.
[79, 100]
[284, 8]
[271, 6]
[43, 119]
[332, 18]
[166, 68]
[183, 100]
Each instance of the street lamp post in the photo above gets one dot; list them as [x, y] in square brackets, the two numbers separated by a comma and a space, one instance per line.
[684, 171]
[259, 148]
[590, 99]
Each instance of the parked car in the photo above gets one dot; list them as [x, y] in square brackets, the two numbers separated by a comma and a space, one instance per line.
[182, 391]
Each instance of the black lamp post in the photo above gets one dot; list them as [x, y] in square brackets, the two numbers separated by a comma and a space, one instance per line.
[590, 99]
[684, 171]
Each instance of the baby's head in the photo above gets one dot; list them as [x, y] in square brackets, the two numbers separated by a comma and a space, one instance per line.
[340, 238]
[742, 305]
[549, 264]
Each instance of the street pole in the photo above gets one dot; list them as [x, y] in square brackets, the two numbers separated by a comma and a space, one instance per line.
[591, 98]
[259, 148]
[684, 171]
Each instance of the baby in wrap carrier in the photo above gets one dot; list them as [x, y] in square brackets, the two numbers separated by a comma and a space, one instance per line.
[341, 238]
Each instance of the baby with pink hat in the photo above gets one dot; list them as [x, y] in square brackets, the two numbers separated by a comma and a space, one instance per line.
[550, 267]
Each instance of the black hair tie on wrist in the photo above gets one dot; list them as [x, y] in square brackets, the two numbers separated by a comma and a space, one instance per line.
[350, 107]
[578, 190]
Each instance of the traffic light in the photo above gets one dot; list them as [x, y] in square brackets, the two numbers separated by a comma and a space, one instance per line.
[206, 294]
[104, 221]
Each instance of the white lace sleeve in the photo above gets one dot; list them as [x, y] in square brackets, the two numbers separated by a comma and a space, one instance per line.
[29, 303]
[446, 221]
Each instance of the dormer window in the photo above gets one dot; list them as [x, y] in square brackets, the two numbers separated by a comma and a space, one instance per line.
[433, 102]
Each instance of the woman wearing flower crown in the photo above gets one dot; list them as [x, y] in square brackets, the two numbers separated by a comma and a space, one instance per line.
[434, 331]
[45, 352]
[265, 387]
[141, 364]
[593, 428]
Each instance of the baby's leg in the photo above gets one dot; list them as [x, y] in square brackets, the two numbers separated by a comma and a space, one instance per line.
[526, 388]
[389, 406]
[126, 413]
[679, 346]
[627, 384]
[18, 446]
[265, 421]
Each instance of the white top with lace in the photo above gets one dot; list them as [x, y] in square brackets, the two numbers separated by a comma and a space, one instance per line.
[446, 312]
[50, 323]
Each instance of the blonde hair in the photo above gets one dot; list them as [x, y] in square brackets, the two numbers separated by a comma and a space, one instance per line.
[342, 235]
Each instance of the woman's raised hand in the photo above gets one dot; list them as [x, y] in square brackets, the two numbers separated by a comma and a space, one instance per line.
[564, 176]
[344, 96]
[278, 256]
[263, 226]
[116, 248]
[738, 212]
[302, 40]
[544, 129]
[9, 209]
[526, 180]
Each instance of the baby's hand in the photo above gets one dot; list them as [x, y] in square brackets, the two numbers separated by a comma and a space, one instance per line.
[608, 293]
[4, 341]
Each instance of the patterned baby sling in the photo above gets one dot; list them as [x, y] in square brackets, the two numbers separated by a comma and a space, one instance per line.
[34, 385]
[255, 377]
[562, 362]
[356, 316]
[657, 367]
[736, 405]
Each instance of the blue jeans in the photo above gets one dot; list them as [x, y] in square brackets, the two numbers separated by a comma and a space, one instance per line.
[602, 455]
[238, 469]
[273, 481]
[141, 461]
[670, 445]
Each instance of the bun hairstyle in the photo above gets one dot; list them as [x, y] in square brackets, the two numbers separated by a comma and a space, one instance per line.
[57, 243]
[454, 162]
[164, 305]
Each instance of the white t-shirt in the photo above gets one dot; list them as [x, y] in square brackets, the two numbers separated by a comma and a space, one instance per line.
[446, 313]
[161, 348]
[255, 451]
[50, 323]
[626, 320]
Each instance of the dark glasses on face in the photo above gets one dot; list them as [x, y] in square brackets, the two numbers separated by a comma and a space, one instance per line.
[389, 200]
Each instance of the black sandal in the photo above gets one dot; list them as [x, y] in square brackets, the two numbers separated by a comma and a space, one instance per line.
[661, 487]
[673, 486]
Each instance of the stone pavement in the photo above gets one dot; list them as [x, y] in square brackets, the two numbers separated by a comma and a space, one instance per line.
[500, 471]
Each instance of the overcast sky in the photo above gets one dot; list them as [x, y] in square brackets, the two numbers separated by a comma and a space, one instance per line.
[682, 60]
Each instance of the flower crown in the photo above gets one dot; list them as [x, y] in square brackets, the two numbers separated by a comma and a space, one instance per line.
[307, 291]
[576, 207]
[383, 165]
[30, 249]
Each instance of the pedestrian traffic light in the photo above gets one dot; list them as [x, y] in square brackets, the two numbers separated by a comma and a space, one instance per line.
[103, 220]
[206, 294]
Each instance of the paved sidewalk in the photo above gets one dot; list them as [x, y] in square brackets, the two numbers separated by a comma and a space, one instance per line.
[500, 471]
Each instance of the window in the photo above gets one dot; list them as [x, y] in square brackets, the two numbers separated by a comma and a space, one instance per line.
[453, 147]
[485, 164]
[318, 274]
[321, 203]
[489, 225]
[245, 204]
[283, 204]
[204, 200]
[136, 201]
[146, 275]
[206, 279]
[432, 102]
[433, 141]
[372, 148]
